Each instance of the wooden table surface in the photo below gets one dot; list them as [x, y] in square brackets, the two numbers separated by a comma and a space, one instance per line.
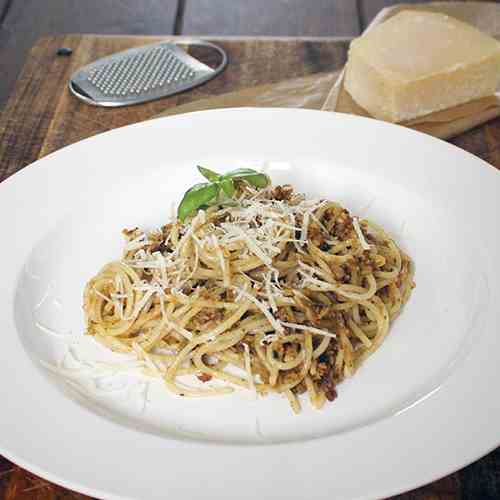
[40, 116]
[22, 22]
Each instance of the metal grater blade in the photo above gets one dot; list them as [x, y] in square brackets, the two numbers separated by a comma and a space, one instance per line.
[143, 74]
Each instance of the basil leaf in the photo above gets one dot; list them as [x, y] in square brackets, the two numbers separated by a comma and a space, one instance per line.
[259, 180]
[253, 177]
[196, 197]
[227, 186]
[209, 174]
[219, 187]
[241, 171]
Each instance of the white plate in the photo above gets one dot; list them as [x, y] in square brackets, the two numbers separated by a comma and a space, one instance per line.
[420, 408]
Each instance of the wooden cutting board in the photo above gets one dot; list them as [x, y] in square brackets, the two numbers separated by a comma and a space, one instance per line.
[41, 117]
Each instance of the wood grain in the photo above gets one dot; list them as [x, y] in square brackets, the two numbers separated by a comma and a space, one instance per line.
[277, 17]
[26, 118]
[6, 468]
[27, 20]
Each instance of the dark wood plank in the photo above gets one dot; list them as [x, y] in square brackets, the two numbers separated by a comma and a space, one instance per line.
[179, 17]
[6, 468]
[277, 17]
[482, 478]
[27, 20]
[368, 9]
[448, 488]
[4, 7]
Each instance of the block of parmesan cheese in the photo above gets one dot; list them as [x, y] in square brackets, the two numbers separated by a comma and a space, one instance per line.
[418, 62]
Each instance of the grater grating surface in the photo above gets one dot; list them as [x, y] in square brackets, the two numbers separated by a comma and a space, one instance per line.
[143, 74]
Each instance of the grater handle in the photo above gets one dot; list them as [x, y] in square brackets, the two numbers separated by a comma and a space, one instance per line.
[204, 43]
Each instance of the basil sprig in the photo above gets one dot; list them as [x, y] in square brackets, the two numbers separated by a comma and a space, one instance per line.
[220, 186]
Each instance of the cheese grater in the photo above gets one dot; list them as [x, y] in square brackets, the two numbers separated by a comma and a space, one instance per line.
[143, 74]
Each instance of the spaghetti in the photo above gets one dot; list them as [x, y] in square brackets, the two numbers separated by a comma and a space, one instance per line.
[268, 291]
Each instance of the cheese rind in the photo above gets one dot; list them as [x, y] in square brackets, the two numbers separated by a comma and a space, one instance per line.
[420, 62]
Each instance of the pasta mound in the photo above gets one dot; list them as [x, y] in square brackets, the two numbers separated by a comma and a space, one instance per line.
[268, 291]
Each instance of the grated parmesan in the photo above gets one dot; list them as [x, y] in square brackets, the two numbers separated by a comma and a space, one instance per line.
[139, 242]
[359, 233]
[262, 307]
[307, 328]
[253, 246]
